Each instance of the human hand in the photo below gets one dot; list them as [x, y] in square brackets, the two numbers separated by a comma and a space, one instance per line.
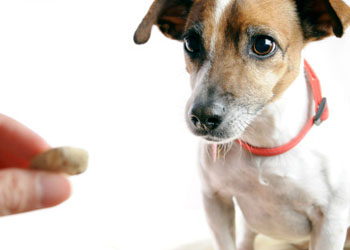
[21, 189]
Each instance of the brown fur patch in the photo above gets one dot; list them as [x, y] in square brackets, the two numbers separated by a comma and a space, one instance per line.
[322, 18]
[169, 15]
[232, 66]
[238, 73]
[201, 13]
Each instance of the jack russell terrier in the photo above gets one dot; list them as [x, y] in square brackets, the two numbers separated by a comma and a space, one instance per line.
[254, 103]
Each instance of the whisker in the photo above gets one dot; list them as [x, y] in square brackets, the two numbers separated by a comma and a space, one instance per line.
[207, 151]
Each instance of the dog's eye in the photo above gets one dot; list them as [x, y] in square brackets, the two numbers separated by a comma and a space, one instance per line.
[191, 45]
[264, 45]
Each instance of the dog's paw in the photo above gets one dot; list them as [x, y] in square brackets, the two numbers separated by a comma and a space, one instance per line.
[246, 247]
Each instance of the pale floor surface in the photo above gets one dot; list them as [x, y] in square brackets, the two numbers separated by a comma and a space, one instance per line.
[262, 243]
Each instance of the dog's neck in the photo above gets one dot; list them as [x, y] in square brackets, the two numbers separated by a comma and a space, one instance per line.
[283, 119]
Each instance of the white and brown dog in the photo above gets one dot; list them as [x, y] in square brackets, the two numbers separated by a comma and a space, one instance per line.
[251, 99]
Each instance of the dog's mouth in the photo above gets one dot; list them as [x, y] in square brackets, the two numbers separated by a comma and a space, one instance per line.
[221, 120]
[231, 127]
[220, 140]
[227, 132]
[217, 140]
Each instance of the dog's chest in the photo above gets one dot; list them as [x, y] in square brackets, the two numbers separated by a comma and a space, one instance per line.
[276, 196]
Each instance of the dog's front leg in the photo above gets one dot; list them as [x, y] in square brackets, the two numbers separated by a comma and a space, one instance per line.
[248, 238]
[220, 213]
[329, 230]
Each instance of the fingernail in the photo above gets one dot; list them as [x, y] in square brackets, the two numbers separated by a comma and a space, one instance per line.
[53, 189]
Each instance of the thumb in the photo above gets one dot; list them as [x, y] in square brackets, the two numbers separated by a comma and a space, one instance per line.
[23, 190]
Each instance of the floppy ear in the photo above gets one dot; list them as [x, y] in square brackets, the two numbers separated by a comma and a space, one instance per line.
[169, 15]
[322, 18]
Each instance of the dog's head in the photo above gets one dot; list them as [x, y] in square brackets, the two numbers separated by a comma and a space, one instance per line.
[241, 54]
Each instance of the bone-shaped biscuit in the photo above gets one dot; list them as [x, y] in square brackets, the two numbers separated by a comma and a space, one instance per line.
[67, 160]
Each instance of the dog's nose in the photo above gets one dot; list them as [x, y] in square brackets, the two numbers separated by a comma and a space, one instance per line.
[207, 117]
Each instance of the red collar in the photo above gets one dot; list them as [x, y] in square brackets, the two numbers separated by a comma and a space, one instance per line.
[321, 114]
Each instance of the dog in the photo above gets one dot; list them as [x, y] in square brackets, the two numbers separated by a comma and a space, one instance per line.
[255, 104]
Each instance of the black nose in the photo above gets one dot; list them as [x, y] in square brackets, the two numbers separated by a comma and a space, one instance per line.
[207, 117]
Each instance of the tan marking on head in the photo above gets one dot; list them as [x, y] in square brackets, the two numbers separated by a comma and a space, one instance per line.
[228, 28]
[239, 73]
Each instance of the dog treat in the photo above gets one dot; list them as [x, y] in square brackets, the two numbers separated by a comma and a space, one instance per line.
[67, 160]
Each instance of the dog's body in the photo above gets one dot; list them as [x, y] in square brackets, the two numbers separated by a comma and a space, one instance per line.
[279, 196]
[244, 57]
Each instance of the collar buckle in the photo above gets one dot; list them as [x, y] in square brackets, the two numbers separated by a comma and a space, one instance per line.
[320, 110]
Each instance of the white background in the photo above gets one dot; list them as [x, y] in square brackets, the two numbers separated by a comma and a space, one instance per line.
[69, 70]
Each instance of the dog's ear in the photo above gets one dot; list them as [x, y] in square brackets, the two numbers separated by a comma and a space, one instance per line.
[169, 15]
[322, 18]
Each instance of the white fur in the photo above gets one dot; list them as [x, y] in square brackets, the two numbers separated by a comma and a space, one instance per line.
[221, 5]
[301, 195]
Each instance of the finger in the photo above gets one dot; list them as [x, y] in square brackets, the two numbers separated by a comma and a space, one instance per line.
[23, 191]
[18, 144]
